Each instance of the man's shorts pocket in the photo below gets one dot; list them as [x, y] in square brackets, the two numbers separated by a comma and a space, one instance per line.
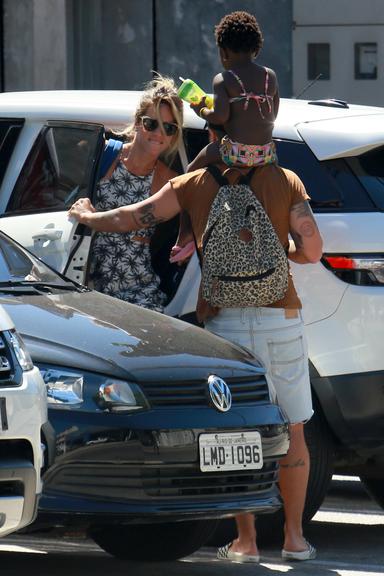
[287, 358]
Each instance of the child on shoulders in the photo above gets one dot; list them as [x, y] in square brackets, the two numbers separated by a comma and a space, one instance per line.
[246, 98]
[246, 103]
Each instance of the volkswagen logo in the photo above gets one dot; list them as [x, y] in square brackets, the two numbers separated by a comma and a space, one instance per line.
[220, 393]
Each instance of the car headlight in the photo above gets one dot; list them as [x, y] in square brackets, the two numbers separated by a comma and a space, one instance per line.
[118, 396]
[71, 389]
[20, 351]
[63, 388]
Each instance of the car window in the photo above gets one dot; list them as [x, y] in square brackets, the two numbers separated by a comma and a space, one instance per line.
[194, 141]
[9, 133]
[369, 169]
[58, 170]
[331, 184]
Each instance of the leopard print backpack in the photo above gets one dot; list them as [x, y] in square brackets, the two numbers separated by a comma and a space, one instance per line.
[243, 261]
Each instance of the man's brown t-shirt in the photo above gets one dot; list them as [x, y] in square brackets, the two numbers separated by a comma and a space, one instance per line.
[278, 189]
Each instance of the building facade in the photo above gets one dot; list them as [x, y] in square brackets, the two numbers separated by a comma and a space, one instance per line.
[327, 49]
[338, 50]
[116, 44]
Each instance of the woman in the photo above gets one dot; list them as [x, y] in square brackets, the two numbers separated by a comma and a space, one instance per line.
[121, 263]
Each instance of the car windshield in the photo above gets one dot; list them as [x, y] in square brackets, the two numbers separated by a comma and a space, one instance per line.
[16, 264]
[369, 169]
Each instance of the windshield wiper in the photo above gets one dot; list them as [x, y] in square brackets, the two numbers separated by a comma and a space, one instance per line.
[39, 286]
[72, 287]
[18, 288]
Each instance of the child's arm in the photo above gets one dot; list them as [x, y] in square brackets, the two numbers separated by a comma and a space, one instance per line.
[219, 114]
[276, 96]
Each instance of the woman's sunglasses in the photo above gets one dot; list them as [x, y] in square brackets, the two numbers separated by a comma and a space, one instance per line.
[150, 124]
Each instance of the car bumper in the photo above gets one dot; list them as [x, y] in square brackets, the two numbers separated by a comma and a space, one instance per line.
[23, 414]
[18, 501]
[140, 475]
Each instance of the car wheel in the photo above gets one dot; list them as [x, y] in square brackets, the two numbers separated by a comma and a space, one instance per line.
[154, 542]
[270, 526]
[322, 456]
[375, 488]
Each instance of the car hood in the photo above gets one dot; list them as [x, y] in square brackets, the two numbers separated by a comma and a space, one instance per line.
[91, 331]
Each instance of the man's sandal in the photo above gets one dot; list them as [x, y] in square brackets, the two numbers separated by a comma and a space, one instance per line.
[225, 553]
[308, 554]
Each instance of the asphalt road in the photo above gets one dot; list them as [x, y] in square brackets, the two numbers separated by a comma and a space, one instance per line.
[348, 532]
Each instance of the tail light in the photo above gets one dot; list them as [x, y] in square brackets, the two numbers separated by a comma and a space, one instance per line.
[360, 269]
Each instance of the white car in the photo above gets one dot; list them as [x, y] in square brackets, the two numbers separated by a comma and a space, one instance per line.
[51, 147]
[23, 423]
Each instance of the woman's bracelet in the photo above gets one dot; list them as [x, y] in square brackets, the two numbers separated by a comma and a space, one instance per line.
[202, 110]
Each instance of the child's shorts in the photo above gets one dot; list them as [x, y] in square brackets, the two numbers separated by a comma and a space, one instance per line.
[246, 155]
[279, 343]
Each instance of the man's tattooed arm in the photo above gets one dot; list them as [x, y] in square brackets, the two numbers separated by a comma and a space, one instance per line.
[307, 244]
[158, 208]
[144, 217]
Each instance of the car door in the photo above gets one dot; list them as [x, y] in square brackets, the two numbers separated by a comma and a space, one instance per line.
[59, 168]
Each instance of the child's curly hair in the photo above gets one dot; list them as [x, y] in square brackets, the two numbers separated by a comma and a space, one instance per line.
[239, 32]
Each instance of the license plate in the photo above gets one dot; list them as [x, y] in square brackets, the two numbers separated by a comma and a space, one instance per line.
[230, 451]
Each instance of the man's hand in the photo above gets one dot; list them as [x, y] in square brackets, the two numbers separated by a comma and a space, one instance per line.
[82, 207]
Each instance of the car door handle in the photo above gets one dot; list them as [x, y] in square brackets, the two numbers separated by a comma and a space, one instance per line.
[48, 234]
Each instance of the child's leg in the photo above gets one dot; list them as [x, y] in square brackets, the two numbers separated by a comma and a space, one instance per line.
[208, 155]
[185, 244]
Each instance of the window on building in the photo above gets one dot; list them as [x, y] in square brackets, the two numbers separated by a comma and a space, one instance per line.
[366, 61]
[319, 63]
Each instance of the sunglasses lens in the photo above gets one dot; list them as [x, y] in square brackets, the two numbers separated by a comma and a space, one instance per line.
[151, 124]
[169, 129]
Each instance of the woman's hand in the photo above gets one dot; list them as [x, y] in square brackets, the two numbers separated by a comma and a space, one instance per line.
[80, 208]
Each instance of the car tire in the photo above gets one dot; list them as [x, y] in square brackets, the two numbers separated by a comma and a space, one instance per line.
[154, 542]
[322, 456]
[375, 488]
[270, 526]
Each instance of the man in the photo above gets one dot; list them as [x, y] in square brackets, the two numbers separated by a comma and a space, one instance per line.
[274, 332]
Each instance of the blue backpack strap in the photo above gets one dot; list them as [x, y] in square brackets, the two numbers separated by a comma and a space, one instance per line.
[111, 151]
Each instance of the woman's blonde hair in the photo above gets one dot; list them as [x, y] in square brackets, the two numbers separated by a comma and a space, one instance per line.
[160, 90]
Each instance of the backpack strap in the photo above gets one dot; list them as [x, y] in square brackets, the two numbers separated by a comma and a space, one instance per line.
[222, 180]
[217, 174]
[246, 179]
[109, 155]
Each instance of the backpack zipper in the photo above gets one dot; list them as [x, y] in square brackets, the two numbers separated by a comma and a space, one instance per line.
[246, 278]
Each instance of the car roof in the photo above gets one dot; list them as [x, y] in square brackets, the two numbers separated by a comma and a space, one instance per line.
[297, 119]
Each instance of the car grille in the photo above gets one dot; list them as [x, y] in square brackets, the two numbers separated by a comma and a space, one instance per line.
[244, 390]
[126, 482]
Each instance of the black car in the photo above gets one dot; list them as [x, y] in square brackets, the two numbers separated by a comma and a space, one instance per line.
[161, 428]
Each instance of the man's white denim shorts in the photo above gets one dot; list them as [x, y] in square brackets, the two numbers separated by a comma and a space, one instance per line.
[276, 337]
